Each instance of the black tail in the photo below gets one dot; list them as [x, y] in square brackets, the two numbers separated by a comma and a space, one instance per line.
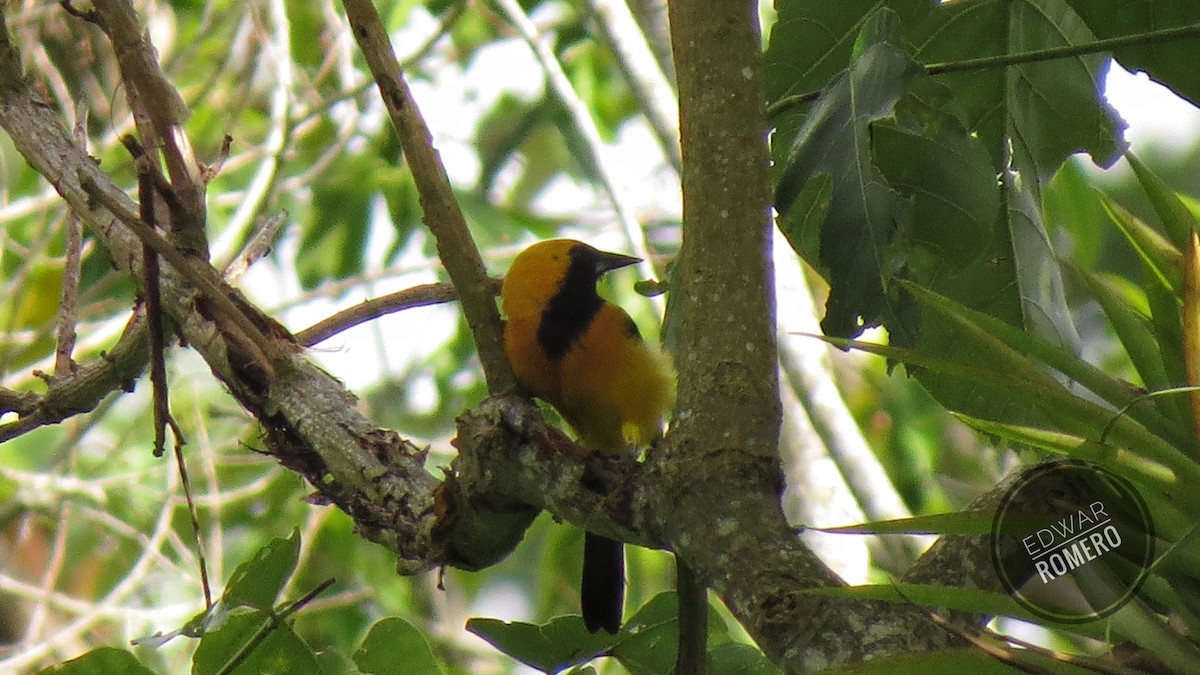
[602, 592]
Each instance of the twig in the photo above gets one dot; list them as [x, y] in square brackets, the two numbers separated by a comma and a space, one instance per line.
[652, 89]
[312, 425]
[146, 82]
[1065, 51]
[89, 384]
[581, 119]
[1004, 60]
[692, 596]
[211, 170]
[199, 276]
[418, 296]
[258, 246]
[441, 211]
[158, 366]
[159, 112]
[275, 619]
[83, 390]
[192, 514]
[153, 300]
[68, 310]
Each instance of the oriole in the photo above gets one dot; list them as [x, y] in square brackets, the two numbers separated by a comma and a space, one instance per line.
[585, 356]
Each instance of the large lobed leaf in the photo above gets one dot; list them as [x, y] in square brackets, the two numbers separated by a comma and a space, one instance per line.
[1170, 62]
[893, 174]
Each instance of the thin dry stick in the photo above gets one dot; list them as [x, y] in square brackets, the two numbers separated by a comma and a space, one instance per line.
[198, 276]
[83, 390]
[417, 296]
[274, 620]
[151, 88]
[1004, 60]
[258, 246]
[442, 214]
[158, 114]
[194, 515]
[68, 310]
[158, 368]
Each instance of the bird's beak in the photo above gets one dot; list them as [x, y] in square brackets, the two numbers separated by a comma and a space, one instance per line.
[606, 262]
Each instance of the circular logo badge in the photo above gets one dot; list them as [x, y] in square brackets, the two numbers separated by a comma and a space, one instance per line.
[1071, 541]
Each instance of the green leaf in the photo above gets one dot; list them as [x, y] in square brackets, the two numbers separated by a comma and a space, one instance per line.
[1146, 468]
[281, 652]
[947, 175]
[1177, 219]
[1057, 108]
[395, 647]
[102, 660]
[1170, 62]
[933, 596]
[257, 582]
[958, 522]
[651, 644]
[1049, 110]
[801, 224]
[1168, 329]
[1133, 330]
[1162, 260]
[1071, 208]
[811, 43]
[654, 643]
[1031, 389]
[556, 645]
[735, 658]
[964, 321]
[1145, 627]
[834, 140]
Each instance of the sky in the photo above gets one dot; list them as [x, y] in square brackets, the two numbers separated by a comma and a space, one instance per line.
[1156, 116]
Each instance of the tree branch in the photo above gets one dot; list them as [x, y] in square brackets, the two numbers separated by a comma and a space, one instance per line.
[725, 430]
[311, 423]
[417, 296]
[159, 113]
[87, 385]
[441, 212]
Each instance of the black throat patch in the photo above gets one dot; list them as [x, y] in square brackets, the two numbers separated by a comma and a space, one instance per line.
[573, 307]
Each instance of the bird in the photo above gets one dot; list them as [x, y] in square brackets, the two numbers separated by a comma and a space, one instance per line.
[585, 357]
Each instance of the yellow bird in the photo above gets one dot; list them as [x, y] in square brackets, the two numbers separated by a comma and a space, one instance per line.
[584, 356]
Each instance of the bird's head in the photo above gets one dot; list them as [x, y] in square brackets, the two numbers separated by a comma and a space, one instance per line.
[548, 268]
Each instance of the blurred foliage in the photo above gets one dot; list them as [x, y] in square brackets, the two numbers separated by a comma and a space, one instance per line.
[96, 541]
